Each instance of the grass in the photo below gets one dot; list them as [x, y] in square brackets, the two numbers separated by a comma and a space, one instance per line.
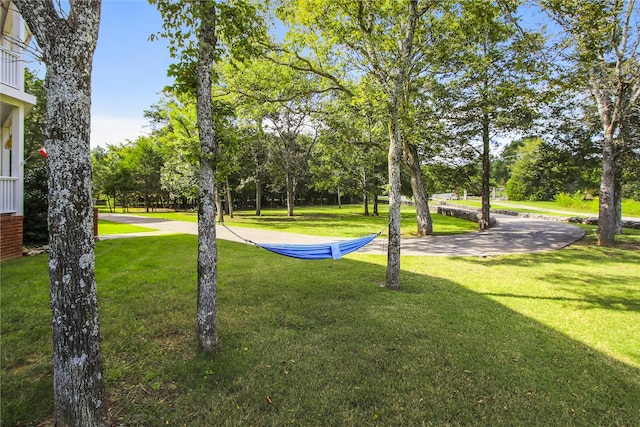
[630, 208]
[546, 339]
[109, 227]
[327, 221]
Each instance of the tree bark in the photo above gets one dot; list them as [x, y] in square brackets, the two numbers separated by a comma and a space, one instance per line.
[394, 157]
[258, 197]
[219, 207]
[229, 199]
[485, 219]
[425, 223]
[606, 217]
[366, 203]
[207, 310]
[290, 193]
[67, 47]
[620, 152]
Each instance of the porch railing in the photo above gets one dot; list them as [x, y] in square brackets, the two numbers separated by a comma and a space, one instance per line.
[10, 68]
[7, 194]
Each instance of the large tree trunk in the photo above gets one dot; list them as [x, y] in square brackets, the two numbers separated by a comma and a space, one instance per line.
[485, 219]
[207, 316]
[290, 193]
[67, 47]
[394, 158]
[620, 152]
[606, 217]
[425, 223]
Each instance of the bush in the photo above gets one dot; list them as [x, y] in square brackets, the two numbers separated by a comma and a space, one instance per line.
[576, 201]
[35, 229]
[564, 199]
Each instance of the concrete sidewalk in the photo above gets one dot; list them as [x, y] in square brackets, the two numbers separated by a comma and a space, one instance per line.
[512, 235]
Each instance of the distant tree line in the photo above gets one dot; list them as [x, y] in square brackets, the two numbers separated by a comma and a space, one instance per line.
[294, 132]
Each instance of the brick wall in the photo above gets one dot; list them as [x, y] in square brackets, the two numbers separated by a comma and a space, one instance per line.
[10, 237]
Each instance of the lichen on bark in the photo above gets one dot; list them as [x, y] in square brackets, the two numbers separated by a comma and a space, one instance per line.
[67, 44]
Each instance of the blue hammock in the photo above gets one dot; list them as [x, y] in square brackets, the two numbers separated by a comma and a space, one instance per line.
[333, 250]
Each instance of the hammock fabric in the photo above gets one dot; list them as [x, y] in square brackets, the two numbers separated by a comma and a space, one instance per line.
[333, 250]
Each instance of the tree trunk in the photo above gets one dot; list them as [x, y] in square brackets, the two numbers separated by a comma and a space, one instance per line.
[620, 151]
[290, 194]
[606, 216]
[219, 207]
[207, 310]
[617, 203]
[375, 205]
[258, 197]
[67, 50]
[485, 220]
[229, 199]
[339, 199]
[425, 223]
[366, 203]
[394, 158]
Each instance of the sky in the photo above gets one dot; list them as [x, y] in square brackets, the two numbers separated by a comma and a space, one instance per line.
[129, 71]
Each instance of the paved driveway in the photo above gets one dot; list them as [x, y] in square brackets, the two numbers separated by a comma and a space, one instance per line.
[512, 235]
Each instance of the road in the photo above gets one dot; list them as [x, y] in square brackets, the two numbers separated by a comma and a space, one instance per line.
[512, 235]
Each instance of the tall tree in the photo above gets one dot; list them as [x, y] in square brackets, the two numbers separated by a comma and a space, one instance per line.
[282, 99]
[604, 39]
[68, 40]
[146, 164]
[349, 156]
[198, 34]
[380, 38]
[491, 79]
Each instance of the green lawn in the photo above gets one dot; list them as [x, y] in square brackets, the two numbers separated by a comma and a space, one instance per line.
[109, 227]
[630, 208]
[327, 220]
[546, 339]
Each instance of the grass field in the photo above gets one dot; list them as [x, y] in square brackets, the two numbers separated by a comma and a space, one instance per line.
[109, 227]
[326, 220]
[630, 208]
[546, 339]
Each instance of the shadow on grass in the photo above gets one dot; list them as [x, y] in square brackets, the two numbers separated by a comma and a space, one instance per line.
[590, 300]
[320, 343]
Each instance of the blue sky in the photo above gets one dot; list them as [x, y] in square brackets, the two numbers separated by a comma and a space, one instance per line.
[129, 71]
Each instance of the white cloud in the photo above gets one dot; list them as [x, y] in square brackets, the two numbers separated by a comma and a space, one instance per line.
[112, 130]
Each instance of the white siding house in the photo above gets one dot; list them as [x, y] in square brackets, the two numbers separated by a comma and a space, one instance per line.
[15, 103]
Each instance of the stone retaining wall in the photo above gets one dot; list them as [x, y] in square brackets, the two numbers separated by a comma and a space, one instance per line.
[467, 214]
[573, 219]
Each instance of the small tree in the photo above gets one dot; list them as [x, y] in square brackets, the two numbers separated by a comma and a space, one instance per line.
[197, 32]
[490, 76]
[604, 38]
